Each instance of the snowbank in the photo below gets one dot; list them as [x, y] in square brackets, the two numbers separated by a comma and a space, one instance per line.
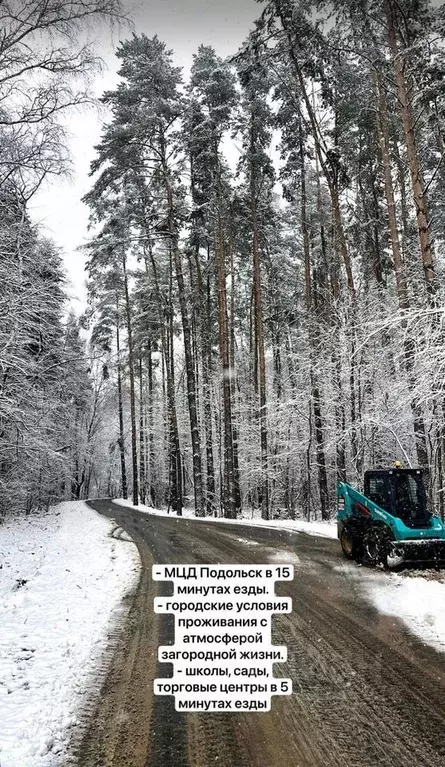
[62, 579]
[324, 529]
[417, 598]
[419, 602]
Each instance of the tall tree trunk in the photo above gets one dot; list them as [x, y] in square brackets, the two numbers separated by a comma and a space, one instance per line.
[176, 486]
[400, 272]
[259, 332]
[189, 361]
[418, 189]
[206, 363]
[235, 435]
[340, 417]
[320, 449]
[315, 391]
[151, 450]
[142, 480]
[134, 451]
[399, 266]
[308, 493]
[121, 440]
[228, 494]
[175, 490]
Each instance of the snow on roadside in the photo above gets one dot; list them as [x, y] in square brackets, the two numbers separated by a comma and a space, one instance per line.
[417, 598]
[419, 602]
[322, 529]
[62, 580]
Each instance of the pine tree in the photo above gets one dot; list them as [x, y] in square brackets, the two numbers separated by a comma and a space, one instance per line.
[214, 94]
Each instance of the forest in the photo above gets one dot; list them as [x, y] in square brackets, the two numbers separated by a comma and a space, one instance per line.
[264, 270]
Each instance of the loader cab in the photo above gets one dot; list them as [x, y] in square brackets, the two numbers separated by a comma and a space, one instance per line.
[400, 492]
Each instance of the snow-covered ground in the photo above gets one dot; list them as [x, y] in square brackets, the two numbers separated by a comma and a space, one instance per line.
[62, 580]
[418, 599]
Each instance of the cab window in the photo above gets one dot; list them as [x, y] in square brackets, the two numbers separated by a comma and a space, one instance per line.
[378, 491]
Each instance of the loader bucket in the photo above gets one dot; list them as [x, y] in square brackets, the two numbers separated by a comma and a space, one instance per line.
[426, 551]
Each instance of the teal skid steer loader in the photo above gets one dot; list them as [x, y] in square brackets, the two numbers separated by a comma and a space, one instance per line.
[389, 523]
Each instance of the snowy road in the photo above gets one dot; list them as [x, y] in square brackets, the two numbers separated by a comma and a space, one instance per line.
[366, 691]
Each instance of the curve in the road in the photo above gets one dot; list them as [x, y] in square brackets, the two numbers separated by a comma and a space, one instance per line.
[366, 693]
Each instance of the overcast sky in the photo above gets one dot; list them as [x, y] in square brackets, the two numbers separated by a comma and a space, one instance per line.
[183, 25]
